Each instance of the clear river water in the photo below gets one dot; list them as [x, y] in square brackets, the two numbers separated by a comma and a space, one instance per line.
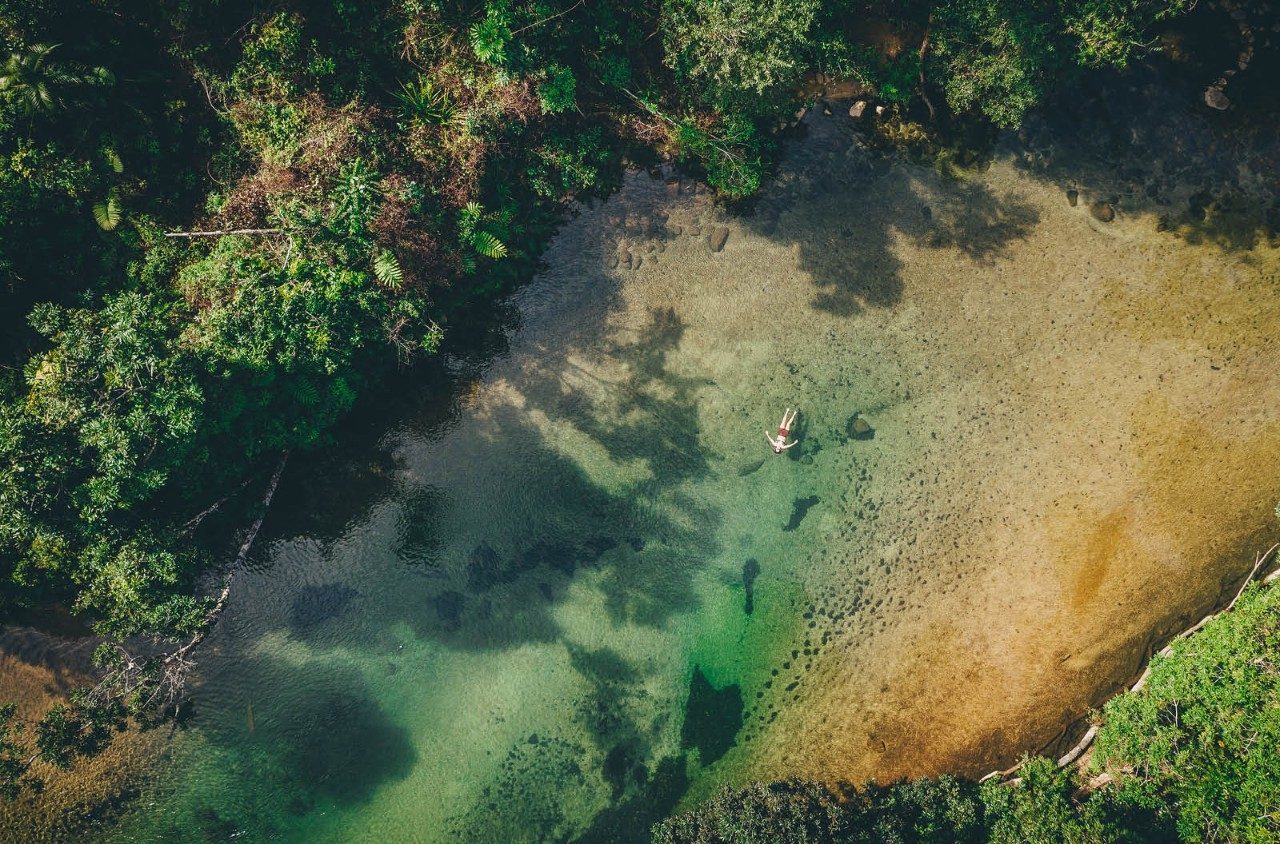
[568, 588]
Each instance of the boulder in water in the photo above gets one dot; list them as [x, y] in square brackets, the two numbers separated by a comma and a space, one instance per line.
[1073, 196]
[716, 239]
[484, 568]
[856, 110]
[860, 429]
[1214, 97]
[1102, 212]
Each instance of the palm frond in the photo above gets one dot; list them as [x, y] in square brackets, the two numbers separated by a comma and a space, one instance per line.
[113, 159]
[488, 245]
[422, 100]
[107, 213]
[386, 267]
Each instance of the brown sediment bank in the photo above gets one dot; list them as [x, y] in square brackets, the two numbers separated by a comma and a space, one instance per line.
[38, 670]
[1096, 407]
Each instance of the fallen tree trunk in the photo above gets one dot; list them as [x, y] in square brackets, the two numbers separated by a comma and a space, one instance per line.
[924, 48]
[159, 680]
[221, 232]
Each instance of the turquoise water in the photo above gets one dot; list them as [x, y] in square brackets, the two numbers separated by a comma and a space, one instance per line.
[568, 588]
[550, 620]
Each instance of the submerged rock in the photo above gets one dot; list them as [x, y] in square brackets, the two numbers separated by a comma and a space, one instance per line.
[859, 428]
[1073, 197]
[712, 717]
[1102, 212]
[484, 567]
[856, 110]
[449, 606]
[716, 239]
[1215, 98]
[315, 604]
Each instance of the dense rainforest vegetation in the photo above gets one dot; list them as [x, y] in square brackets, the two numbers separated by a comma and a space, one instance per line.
[221, 222]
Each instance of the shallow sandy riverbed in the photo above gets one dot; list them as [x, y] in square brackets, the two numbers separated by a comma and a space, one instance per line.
[584, 589]
[1076, 435]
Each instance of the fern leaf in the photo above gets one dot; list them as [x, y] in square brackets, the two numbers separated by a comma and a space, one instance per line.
[489, 246]
[113, 159]
[107, 213]
[387, 269]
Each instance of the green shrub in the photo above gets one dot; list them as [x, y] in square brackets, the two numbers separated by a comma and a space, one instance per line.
[1203, 736]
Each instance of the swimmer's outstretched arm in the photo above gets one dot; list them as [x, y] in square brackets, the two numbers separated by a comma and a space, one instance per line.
[768, 436]
[788, 445]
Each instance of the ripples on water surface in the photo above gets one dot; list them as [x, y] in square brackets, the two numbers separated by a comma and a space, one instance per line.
[588, 590]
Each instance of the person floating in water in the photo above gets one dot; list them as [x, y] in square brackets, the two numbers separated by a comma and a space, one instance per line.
[779, 442]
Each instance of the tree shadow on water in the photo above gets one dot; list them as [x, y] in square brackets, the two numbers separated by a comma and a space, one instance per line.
[851, 206]
[296, 738]
[1143, 141]
[615, 751]
[650, 414]
[645, 538]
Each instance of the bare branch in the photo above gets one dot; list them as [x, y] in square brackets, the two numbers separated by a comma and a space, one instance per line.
[221, 232]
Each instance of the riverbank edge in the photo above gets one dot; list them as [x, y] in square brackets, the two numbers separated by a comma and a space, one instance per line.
[932, 808]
